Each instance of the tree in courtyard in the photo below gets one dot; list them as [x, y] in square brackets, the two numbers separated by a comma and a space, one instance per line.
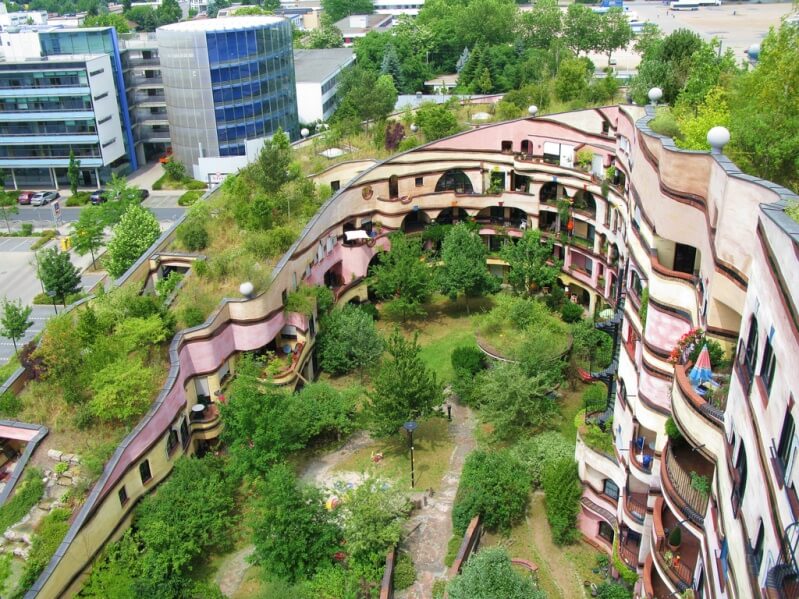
[489, 574]
[73, 172]
[338, 9]
[402, 276]
[87, 231]
[614, 33]
[348, 341]
[15, 320]
[494, 484]
[464, 271]
[563, 491]
[293, 532]
[404, 387]
[531, 262]
[515, 402]
[57, 273]
[136, 231]
[436, 121]
[373, 514]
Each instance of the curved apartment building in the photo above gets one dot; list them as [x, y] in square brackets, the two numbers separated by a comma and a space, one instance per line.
[710, 247]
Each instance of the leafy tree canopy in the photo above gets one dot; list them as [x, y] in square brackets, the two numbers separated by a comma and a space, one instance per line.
[137, 230]
[489, 574]
[348, 341]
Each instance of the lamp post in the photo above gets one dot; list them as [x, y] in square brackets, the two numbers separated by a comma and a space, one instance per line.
[410, 426]
[51, 295]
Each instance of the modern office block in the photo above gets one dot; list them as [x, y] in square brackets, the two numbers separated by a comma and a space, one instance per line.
[229, 85]
[51, 106]
[318, 74]
[96, 40]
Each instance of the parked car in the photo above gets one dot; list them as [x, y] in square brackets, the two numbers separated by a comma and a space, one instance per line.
[143, 194]
[98, 197]
[25, 197]
[41, 198]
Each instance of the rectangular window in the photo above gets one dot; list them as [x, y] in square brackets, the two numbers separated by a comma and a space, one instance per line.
[606, 531]
[144, 471]
[768, 366]
[123, 496]
[611, 489]
[101, 96]
[757, 550]
[419, 181]
[171, 442]
[184, 433]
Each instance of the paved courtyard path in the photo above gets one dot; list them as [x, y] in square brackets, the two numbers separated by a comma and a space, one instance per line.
[429, 529]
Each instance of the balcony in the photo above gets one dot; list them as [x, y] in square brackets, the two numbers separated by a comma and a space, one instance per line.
[654, 586]
[686, 478]
[629, 548]
[678, 563]
[642, 450]
[635, 505]
[782, 581]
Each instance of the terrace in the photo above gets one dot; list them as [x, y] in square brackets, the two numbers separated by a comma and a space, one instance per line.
[677, 561]
[686, 477]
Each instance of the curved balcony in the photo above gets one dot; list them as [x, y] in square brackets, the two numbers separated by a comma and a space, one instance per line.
[682, 472]
[207, 424]
[710, 412]
[635, 506]
[677, 563]
[653, 585]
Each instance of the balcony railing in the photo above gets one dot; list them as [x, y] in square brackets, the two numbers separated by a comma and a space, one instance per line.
[691, 501]
[636, 505]
[711, 412]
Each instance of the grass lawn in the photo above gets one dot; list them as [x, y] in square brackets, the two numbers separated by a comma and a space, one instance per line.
[561, 570]
[571, 404]
[7, 369]
[432, 450]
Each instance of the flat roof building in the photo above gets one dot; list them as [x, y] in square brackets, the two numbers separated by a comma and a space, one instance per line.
[318, 74]
[229, 85]
[52, 106]
[355, 26]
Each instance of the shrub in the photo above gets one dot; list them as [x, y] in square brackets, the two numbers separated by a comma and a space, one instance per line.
[644, 309]
[175, 170]
[494, 484]
[571, 312]
[27, 229]
[675, 536]
[468, 358]
[324, 299]
[188, 198]
[299, 301]
[193, 235]
[612, 590]
[563, 491]
[536, 452]
[595, 397]
[10, 404]
[489, 574]
[672, 431]
[370, 309]
[404, 572]
[45, 542]
[200, 268]
[348, 340]
[83, 418]
[44, 237]
[192, 316]
[27, 494]
[665, 123]
[195, 185]
[701, 483]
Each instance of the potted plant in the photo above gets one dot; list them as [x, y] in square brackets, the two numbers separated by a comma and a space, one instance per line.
[700, 484]
[675, 538]
[668, 557]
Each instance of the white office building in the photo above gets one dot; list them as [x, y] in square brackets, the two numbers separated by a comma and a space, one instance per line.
[318, 74]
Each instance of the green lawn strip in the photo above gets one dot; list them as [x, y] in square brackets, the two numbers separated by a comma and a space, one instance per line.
[571, 404]
[27, 494]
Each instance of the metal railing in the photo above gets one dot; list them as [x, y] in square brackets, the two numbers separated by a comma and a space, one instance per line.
[693, 502]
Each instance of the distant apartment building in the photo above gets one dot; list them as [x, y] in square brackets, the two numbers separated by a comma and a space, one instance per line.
[50, 106]
[398, 7]
[229, 85]
[318, 74]
[355, 26]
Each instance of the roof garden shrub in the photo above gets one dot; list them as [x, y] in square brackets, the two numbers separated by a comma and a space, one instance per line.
[563, 491]
[44, 543]
[193, 233]
[494, 484]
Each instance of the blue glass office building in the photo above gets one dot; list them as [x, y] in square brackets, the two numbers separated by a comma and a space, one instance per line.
[227, 82]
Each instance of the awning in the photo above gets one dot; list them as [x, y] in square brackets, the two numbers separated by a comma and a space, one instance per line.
[359, 234]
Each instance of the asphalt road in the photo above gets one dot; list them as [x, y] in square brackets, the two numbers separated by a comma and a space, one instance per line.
[43, 216]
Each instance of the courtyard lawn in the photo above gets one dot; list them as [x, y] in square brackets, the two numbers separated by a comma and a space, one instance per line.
[571, 403]
[432, 450]
[561, 570]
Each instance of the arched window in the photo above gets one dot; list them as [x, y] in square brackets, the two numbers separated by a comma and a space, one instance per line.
[750, 355]
[144, 471]
[549, 193]
[584, 202]
[455, 180]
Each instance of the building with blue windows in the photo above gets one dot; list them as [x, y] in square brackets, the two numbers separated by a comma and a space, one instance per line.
[229, 85]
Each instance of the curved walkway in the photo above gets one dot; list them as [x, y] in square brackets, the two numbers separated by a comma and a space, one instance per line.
[430, 528]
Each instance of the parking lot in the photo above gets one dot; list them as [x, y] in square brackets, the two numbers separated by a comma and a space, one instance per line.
[16, 244]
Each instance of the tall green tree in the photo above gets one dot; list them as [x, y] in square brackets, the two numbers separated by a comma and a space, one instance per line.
[168, 12]
[58, 274]
[436, 121]
[464, 270]
[403, 276]
[15, 320]
[338, 9]
[136, 231]
[391, 65]
[293, 532]
[542, 24]
[8, 205]
[348, 340]
[119, 195]
[73, 172]
[562, 491]
[572, 80]
[515, 402]
[87, 231]
[404, 387]
[531, 263]
[274, 162]
[614, 33]
[367, 96]
[489, 574]
[108, 19]
[581, 28]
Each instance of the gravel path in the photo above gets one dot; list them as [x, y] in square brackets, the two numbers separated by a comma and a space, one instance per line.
[430, 528]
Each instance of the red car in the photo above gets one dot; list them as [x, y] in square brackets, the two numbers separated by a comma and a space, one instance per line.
[25, 197]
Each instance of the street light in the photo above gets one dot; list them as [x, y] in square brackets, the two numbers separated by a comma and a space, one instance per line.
[51, 295]
[410, 426]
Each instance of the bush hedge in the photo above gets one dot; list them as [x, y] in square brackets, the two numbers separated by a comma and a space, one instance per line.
[494, 484]
[542, 449]
[44, 237]
[188, 198]
[563, 491]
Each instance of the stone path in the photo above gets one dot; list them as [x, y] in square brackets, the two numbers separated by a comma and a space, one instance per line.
[230, 573]
[430, 528]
